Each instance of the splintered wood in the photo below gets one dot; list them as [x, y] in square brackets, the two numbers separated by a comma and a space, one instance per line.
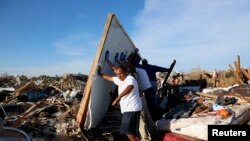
[241, 75]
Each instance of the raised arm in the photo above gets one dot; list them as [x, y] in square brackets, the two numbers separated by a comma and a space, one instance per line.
[113, 67]
[105, 76]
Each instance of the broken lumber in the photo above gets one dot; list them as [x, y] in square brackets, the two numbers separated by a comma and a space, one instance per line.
[28, 86]
[246, 73]
[236, 75]
[206, 95]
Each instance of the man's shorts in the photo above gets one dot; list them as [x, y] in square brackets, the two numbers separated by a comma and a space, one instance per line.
[130, 123]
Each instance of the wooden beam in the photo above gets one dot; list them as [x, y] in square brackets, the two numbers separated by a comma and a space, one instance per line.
[236, 75]
[26, 87]
[206, 95]
[168, 74]
[246, 73]
[239, 66]
[82, 112]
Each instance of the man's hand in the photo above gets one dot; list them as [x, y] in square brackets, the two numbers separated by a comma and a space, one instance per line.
[103, 75]
[116, 101]
[99, 70]
[106, 55]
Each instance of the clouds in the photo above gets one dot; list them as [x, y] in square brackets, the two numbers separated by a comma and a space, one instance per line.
[80, 50]
[195, 33]
[76, 54]
[78, 44]
[73, 66]
[205, 33]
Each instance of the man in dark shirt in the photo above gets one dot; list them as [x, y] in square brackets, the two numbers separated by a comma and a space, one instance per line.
[151, 71]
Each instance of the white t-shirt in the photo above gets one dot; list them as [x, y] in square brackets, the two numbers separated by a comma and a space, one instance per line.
[143, 78]
[132, 101]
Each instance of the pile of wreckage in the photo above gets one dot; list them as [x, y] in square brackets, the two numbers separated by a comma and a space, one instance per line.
[40, 108]
[46, 108]
[186, 109]
[189, 111]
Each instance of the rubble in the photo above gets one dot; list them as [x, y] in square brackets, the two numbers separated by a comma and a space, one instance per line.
[44, 108]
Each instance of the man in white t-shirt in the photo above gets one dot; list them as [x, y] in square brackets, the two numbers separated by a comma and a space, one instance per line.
[129, 99]
[148, 91]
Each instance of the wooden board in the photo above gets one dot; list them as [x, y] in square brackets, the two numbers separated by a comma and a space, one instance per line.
[96, 99]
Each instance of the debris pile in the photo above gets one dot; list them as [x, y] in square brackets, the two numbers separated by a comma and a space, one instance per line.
[43, 107]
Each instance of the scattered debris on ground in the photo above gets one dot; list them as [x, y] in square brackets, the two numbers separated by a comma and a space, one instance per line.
[45, 108]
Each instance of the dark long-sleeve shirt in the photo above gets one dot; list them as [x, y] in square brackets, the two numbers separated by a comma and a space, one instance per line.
[152, 69]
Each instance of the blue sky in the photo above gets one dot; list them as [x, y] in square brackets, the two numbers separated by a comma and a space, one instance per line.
[61, 36]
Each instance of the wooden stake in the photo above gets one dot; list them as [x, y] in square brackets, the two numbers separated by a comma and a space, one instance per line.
[236, 75]
[246, 73]
[239, 66]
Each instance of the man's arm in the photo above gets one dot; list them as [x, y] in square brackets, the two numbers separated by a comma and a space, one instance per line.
[160, 69]
[113, 67]
[127, 90]
[105, 76]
